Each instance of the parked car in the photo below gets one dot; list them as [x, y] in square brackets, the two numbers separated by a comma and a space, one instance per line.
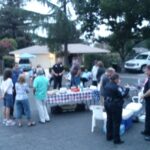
[25, 64]
[139, 62]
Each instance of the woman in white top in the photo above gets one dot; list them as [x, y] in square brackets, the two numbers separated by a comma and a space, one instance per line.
[94, 73]
[7, 94]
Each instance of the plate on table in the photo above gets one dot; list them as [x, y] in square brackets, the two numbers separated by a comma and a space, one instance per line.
[63, 90]
[53, 92]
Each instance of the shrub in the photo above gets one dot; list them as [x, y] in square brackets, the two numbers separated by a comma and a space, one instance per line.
[109, 59]
[8, 61]
[7, 45]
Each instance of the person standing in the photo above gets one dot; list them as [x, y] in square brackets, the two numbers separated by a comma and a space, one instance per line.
[113, 106]
[40, 86]
[101, 70]
[22, 102]
[84, 76]
[58, 71]
[94, 73]
[146, 97]
[75, 74]
[105, 78]
[7, 95]
[15, 75]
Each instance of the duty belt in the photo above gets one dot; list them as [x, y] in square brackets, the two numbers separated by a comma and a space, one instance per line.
[110, 100]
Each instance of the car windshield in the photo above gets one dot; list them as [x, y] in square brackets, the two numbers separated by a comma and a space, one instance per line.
[144, 56]
[24, 61]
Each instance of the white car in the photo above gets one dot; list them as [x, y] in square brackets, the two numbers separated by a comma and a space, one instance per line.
[139, 62]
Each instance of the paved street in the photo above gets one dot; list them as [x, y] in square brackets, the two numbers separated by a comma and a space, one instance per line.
[69, 131]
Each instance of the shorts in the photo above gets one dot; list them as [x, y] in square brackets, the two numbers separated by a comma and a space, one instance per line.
[23, 108]
[8, 101]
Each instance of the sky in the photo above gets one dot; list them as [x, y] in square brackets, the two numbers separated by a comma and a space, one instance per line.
[37, 7]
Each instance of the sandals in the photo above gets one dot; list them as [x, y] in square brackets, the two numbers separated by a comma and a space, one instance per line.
[31, 124]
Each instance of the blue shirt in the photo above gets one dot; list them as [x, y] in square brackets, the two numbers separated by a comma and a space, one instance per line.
[15, 75]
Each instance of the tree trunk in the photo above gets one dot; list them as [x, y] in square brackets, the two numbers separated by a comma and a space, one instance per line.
[66, 62]
[122, 62]
[66, 42]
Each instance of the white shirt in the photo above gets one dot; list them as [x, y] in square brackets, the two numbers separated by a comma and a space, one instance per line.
[7, 86]
[94, 73]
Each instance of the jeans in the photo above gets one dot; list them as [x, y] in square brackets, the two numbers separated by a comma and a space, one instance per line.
[8, 100]
[75, 81]
[23, 108]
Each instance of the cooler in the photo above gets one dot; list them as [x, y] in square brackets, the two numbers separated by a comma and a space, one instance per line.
[135, 107]
[122, 126]
[127, 116]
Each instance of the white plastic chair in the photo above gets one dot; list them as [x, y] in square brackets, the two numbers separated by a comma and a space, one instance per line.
[136, 104]
[97, 114]
[138, 97]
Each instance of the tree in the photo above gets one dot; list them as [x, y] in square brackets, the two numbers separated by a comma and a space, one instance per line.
[62, 33]
[124, 18]
[88, 13]
[12, 22]
[63, 30]
[7, 45]
[20, 24]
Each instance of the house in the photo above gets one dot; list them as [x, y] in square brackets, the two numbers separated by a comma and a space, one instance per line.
[41, 53]
[47, 59]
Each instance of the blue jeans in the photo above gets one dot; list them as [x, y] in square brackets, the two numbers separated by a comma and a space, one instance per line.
[8, 100]
[75, 81]
[23, 108]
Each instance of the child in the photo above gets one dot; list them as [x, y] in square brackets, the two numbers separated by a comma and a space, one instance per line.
[7, 96]
[22, 103]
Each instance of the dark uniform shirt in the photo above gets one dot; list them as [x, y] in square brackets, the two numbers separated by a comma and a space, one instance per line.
[115, 93]
[147, 87]
[15, 75]
[58, 68]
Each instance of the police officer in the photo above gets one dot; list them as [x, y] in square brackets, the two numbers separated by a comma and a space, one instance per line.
[57, 71]
[114, 95]
[146, 96]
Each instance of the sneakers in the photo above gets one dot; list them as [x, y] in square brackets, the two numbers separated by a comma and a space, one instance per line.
[4, 121]
[145, 133]
[10, 123]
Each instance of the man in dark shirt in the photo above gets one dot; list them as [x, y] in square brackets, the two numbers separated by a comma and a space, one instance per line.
[57, 71]
[105, 78]
[101, 70]
[16, 71]
[146, 96]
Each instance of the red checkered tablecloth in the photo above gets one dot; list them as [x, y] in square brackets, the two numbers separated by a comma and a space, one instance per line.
[72, 97]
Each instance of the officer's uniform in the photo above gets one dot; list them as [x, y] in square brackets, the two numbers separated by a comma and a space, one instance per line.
[114, 95]
[58, 68]
[147, 109]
